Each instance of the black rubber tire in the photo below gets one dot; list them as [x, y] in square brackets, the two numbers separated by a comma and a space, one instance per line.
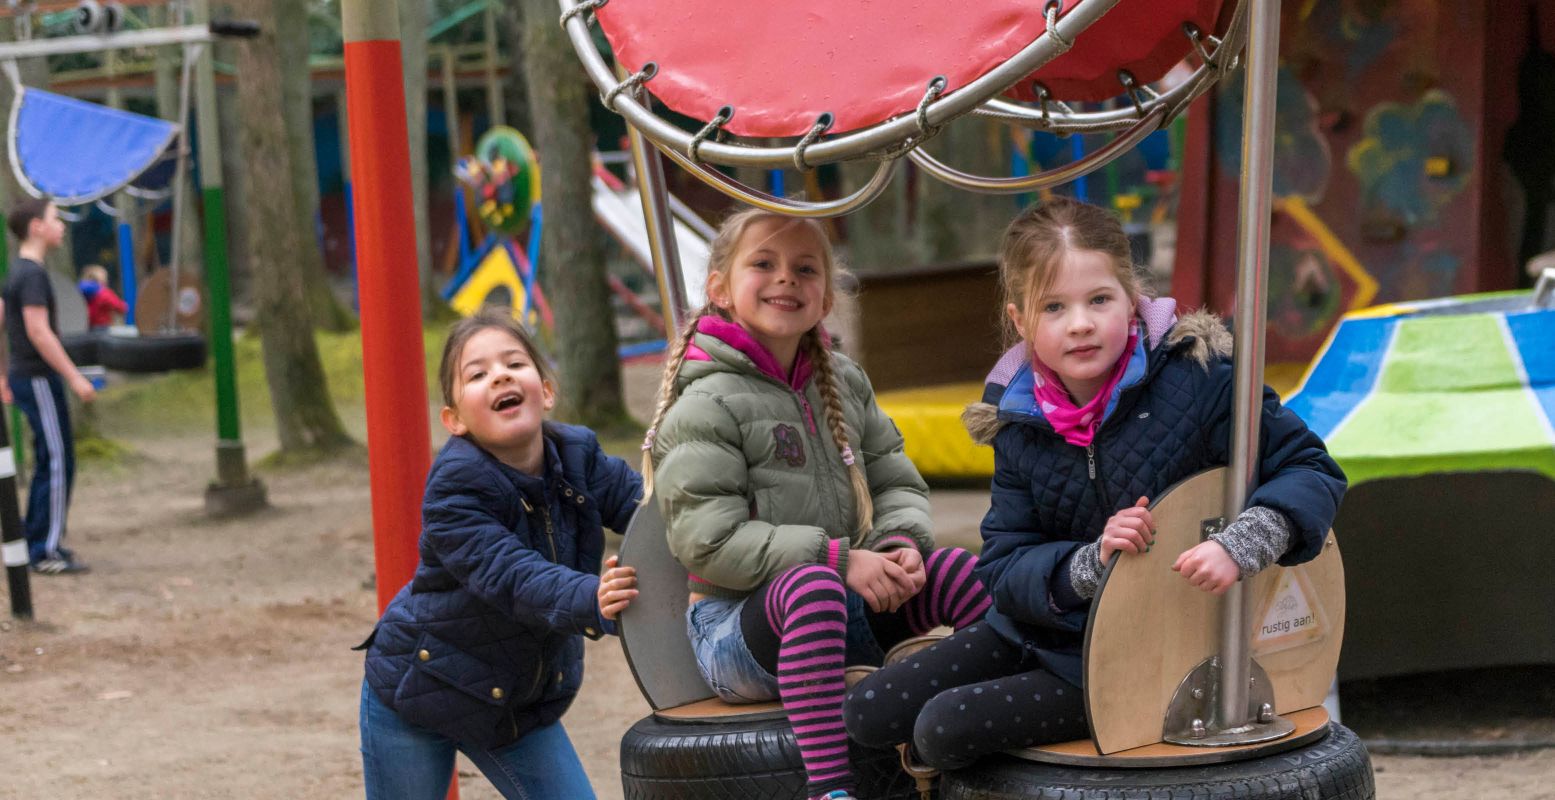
[81, 347]
[158, 353]
[1333, 768]
[738, 761]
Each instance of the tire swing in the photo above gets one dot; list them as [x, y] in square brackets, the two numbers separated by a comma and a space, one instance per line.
[876, 87]
[48, 135]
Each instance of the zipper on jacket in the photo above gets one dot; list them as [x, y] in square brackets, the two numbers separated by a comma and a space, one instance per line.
[1090, 465]
[809, 416]
[550, 533]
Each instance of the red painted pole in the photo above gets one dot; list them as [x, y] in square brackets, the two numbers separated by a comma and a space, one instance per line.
[399, 442]
[393, 363]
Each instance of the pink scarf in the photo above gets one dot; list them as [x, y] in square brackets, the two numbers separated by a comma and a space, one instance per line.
[1077, 424]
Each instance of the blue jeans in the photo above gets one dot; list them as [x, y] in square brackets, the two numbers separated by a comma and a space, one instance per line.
[404, 762]
[726, 662]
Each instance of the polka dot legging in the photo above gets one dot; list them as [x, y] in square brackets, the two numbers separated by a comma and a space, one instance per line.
[971, 694]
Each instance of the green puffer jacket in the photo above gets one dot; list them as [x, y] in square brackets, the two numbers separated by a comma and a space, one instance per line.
[749, 480]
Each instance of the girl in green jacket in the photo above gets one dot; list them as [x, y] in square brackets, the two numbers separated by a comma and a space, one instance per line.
[808, 540]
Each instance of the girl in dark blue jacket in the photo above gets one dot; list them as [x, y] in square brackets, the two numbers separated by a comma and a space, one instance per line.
[1107, 401]
[483, 650]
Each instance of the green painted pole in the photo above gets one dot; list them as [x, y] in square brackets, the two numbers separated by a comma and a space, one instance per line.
[233, 491]
[18, 422]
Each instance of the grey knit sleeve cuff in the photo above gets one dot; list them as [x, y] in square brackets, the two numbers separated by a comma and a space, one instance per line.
[1258, 537]
[1085, 570]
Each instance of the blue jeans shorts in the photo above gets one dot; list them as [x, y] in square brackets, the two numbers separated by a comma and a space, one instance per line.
[726, 662]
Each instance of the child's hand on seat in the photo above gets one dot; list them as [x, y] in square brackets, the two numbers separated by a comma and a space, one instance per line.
[878, 579]
[911, 562]
[1208, 566]
[617, 587]
[1131, 530]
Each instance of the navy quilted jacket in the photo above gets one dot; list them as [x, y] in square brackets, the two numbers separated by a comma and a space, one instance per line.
[1168, 419]
[485, 642]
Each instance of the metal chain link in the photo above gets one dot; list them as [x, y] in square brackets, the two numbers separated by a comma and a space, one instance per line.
[582, 8]
[1051, 12]
[822, 123]
[925, 130]
[633, 81]
[713, 128]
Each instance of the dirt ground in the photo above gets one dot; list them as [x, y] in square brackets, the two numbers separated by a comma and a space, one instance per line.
[211, 659]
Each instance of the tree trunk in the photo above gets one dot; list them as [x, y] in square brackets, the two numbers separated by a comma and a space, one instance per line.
[413, 55]
[880, 235]
[291, 21]
[304, 415]
[572, 270]
[510, 18]
[954, 224]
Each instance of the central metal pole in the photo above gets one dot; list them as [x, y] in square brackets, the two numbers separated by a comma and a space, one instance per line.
[1251, 300]
[661, 229]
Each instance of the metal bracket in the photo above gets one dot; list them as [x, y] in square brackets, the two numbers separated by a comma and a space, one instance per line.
[1190, 717]
[1544, 289]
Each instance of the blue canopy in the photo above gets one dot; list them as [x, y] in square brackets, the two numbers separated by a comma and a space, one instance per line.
[75, 152]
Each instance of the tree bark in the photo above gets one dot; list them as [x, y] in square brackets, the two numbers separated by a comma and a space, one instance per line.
[413, 56]
[572, 270]
[291, 20]
[304, 414]
[954, 224]
[880, 235]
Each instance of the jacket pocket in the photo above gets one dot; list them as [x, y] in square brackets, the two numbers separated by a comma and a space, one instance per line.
[454, 693]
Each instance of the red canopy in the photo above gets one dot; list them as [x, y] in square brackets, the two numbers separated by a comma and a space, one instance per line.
[781, 63]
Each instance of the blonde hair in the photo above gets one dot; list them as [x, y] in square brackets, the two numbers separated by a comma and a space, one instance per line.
[720, 261]
[1036, 241]
[487, 318]
[95, 272]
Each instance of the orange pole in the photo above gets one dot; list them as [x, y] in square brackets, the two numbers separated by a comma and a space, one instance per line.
[393, 364]
[399, 441]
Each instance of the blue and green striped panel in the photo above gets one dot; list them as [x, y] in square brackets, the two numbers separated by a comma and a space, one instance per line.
[1436, 392]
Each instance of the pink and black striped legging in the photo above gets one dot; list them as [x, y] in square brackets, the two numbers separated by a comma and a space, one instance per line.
[796, 628]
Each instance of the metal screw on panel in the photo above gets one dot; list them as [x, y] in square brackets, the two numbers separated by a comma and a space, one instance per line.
[1197, 730]
[1265, 713]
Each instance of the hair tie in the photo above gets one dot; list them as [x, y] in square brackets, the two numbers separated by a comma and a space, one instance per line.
[847, 456]
[648, 439]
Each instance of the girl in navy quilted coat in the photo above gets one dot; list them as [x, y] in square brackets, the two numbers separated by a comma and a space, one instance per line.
[1106, 402]
[482, 651]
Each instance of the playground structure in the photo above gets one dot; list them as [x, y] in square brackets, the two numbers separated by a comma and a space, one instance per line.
[47, 134]
[873, 116]
[1439, 411]
[502, 176]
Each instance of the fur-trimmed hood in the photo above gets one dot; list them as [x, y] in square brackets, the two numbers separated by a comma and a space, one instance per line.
[1200, 335]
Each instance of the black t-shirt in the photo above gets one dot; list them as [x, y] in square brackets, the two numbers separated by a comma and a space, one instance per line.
[27, 285]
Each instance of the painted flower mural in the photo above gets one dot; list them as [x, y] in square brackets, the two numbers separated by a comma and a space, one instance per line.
[1414, 159]
[1301, 155]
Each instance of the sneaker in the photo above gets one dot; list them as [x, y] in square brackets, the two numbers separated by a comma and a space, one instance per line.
[837, 794]
[60, 566]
